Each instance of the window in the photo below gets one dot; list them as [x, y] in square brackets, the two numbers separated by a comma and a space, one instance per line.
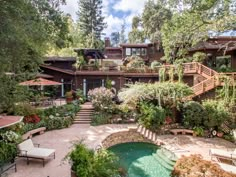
[138, 51]
[128, 51]
[134, 51]
[143, 51]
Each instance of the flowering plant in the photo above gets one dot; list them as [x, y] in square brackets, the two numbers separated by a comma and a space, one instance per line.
[10, 136]
[32, 119]
[101, 98]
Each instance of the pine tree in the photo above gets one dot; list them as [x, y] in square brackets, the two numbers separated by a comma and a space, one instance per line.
[122, 33]
[90, 18]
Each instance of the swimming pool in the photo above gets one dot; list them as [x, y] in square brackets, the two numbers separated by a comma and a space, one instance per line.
[143, 160]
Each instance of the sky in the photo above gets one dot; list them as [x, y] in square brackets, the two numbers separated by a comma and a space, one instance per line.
[115, 12]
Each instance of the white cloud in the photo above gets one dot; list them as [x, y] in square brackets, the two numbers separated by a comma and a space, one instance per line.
[114, 24]
[130, 6]
[71, 8]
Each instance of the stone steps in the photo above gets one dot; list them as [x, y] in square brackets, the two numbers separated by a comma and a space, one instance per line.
[84, 116]
[152, 136]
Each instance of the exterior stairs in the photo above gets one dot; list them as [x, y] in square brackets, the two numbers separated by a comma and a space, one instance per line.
[211, 81]
[84, 116]
[149, 135]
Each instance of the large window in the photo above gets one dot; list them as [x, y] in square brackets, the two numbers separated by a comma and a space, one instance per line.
[136, 51]
[128, 51]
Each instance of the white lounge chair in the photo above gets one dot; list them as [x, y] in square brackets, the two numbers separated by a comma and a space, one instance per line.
[223, 154]
[29, 151]
[228, 168]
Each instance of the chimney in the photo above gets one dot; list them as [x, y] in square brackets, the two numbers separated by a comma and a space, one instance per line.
[107, 42]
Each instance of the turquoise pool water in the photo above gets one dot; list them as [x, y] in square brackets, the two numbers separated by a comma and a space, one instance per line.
[142, 160]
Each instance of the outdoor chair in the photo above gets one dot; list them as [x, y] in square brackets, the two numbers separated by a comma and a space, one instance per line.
[29, 151]
[223, 154]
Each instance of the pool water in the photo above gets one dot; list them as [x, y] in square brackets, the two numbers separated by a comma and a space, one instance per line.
[142, 160]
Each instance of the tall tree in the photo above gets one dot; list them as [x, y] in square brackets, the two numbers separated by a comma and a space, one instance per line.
[122, 33]
[136, 35]
[27, 28]
[153, 17]
[115, 38]
[90, 18]
[192, 25]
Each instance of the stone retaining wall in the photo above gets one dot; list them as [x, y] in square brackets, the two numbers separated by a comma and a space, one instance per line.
[123, 137]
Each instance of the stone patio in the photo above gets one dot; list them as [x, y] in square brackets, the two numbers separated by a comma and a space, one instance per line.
[61, 140]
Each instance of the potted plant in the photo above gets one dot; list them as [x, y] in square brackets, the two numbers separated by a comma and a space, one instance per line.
[69, 97]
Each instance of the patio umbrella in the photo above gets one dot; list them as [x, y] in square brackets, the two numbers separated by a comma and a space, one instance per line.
[40, 82]
[6, 121]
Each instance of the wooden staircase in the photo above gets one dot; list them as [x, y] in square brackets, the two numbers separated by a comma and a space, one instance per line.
[84, 116]
[211, 81]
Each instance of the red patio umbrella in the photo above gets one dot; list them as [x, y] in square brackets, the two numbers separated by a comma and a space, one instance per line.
[6, 121]
[40, 82]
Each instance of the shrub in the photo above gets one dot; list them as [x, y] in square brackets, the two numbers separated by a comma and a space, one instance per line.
[101, 98]
[86, 162]
[24, 109]
[54, 122]
[152, 116]
[193, 113]
[165, 94]
[101, 118]
[194, 165]
[28, 126]
[216, 113]
[10, 137]
[32, 119]
[8, 152]
[155, 64]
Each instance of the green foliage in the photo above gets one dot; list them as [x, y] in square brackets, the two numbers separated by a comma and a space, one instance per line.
[8, 152]
[28, 126]
[56, 122]
[80, 96]
[134, 62]
[193, 114]
[87, 163]
[90, 20]
[24, 109]
[154, 15]
[101, 118]
[27, 28]
[80, 62]
[167, 93]
[155, 64]
[199, 57]
[162, 74]
[199, 131]
[151, 116]
[136, 35]
[216, 113]
[10, 137]
[192, 24]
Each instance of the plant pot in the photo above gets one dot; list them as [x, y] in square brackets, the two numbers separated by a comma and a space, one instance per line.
[69, 100]
[220, 134]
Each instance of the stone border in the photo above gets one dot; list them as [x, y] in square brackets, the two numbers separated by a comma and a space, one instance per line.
[126, 136]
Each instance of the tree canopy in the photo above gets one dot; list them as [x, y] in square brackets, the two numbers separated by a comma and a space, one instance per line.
[181, 24]
[90, 19]
[27, 29]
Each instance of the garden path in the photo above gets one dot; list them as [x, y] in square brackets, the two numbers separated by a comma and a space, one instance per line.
[61, 140]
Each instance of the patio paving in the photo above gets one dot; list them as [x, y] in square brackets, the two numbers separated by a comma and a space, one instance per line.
[61, 140]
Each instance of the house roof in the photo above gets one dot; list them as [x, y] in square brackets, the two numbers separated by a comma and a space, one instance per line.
[136, 45]
[56, 58]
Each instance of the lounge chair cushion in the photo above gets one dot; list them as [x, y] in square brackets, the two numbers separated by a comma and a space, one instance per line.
[40, 153]
[27, 149]
[223, 153]
[26, 145]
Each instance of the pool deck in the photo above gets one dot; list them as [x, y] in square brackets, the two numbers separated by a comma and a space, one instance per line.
[62, 141]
